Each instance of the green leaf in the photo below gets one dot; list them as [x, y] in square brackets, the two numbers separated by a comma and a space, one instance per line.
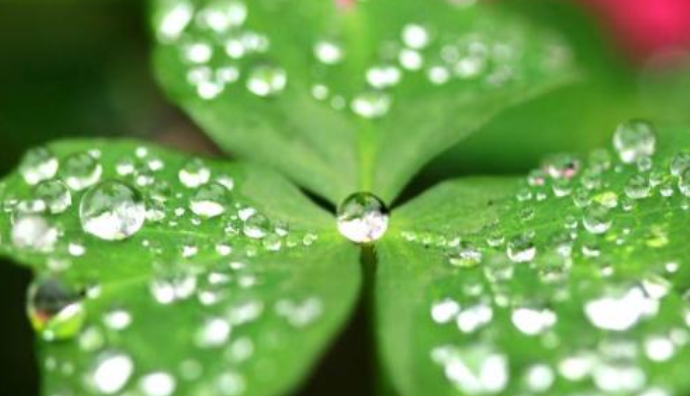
[325, 123]
[218, 304]
[493, 286]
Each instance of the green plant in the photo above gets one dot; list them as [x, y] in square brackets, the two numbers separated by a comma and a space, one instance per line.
[159, 273]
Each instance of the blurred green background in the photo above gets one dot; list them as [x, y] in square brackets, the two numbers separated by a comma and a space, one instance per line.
[81, 68]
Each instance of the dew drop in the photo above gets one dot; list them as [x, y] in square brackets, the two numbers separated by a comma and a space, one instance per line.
[55, 194]
[34, 232]
[56, 312]
[521, 249]
[256, 226]
[209, 201]
[111, 372]
[194, 173]
[81, 170]
[597, 219]
[328, 52]
[38, 164]
[415, 36]
[112, 211]
[371, 104]
[679, 163]
[266, 80]
[634, 140]
[362, 218]
[157, 383]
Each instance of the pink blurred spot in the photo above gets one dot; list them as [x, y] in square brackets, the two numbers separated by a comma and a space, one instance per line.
[345, 3]
[646, 29]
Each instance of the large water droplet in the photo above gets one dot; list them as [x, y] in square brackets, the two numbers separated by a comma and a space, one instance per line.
[362, 218]
[38, 164]
[56, 312]
[112, 211]
[597, 219]
[634, 140]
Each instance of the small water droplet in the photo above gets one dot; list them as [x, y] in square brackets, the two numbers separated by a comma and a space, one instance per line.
[362, 218]
[328, 52]
[209, 201]
[111, 372]
[597, 219]
[633, 140]
[194, 173]
[266, 80]
[112, 211]
[371, 104]
[158, 383]
[81, 170]
[521, 249]
[256, 226]
[55, 194]
[38, 164]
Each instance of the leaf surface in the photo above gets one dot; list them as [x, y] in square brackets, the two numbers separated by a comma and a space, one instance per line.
[354, 98]
[190, 303]
[500, 286]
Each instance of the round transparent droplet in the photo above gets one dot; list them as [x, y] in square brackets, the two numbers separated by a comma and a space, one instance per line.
[34, 232]
[111, 372]
[209, 201]
[38, 164]
[637, 187]
[266, 80]
[521, 249]
[55, 194]
[362, 218]
[679, 163]
[371, 104]
[634, 140]
[328, 52]
[597, 219]
[194, 173]
[112, 211]
[56, 312]
[256, 226]
[81, 170]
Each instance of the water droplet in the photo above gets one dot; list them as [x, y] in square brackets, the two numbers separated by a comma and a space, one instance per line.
[476, 370]
[194, 173]
[521, 249]
[362, 218]
[112, 211]
[620, 312]
[637, 187]
[55, 194]
[328, 52]
[679, 163]
[633, 140]
[34, 232]
[81, 170]
[383, 76]
[38, 164]
[111, 372]
[213, 333]
[371, 104]
[117, 319]
[465, 254]
[157, 383]
[415, 36]
[209, 201]
[562, 166]
[56, 312]
[266, 80]
[597, 219]
[256, 226]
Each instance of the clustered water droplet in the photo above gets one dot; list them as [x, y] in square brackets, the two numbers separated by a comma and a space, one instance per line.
[362, 218]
